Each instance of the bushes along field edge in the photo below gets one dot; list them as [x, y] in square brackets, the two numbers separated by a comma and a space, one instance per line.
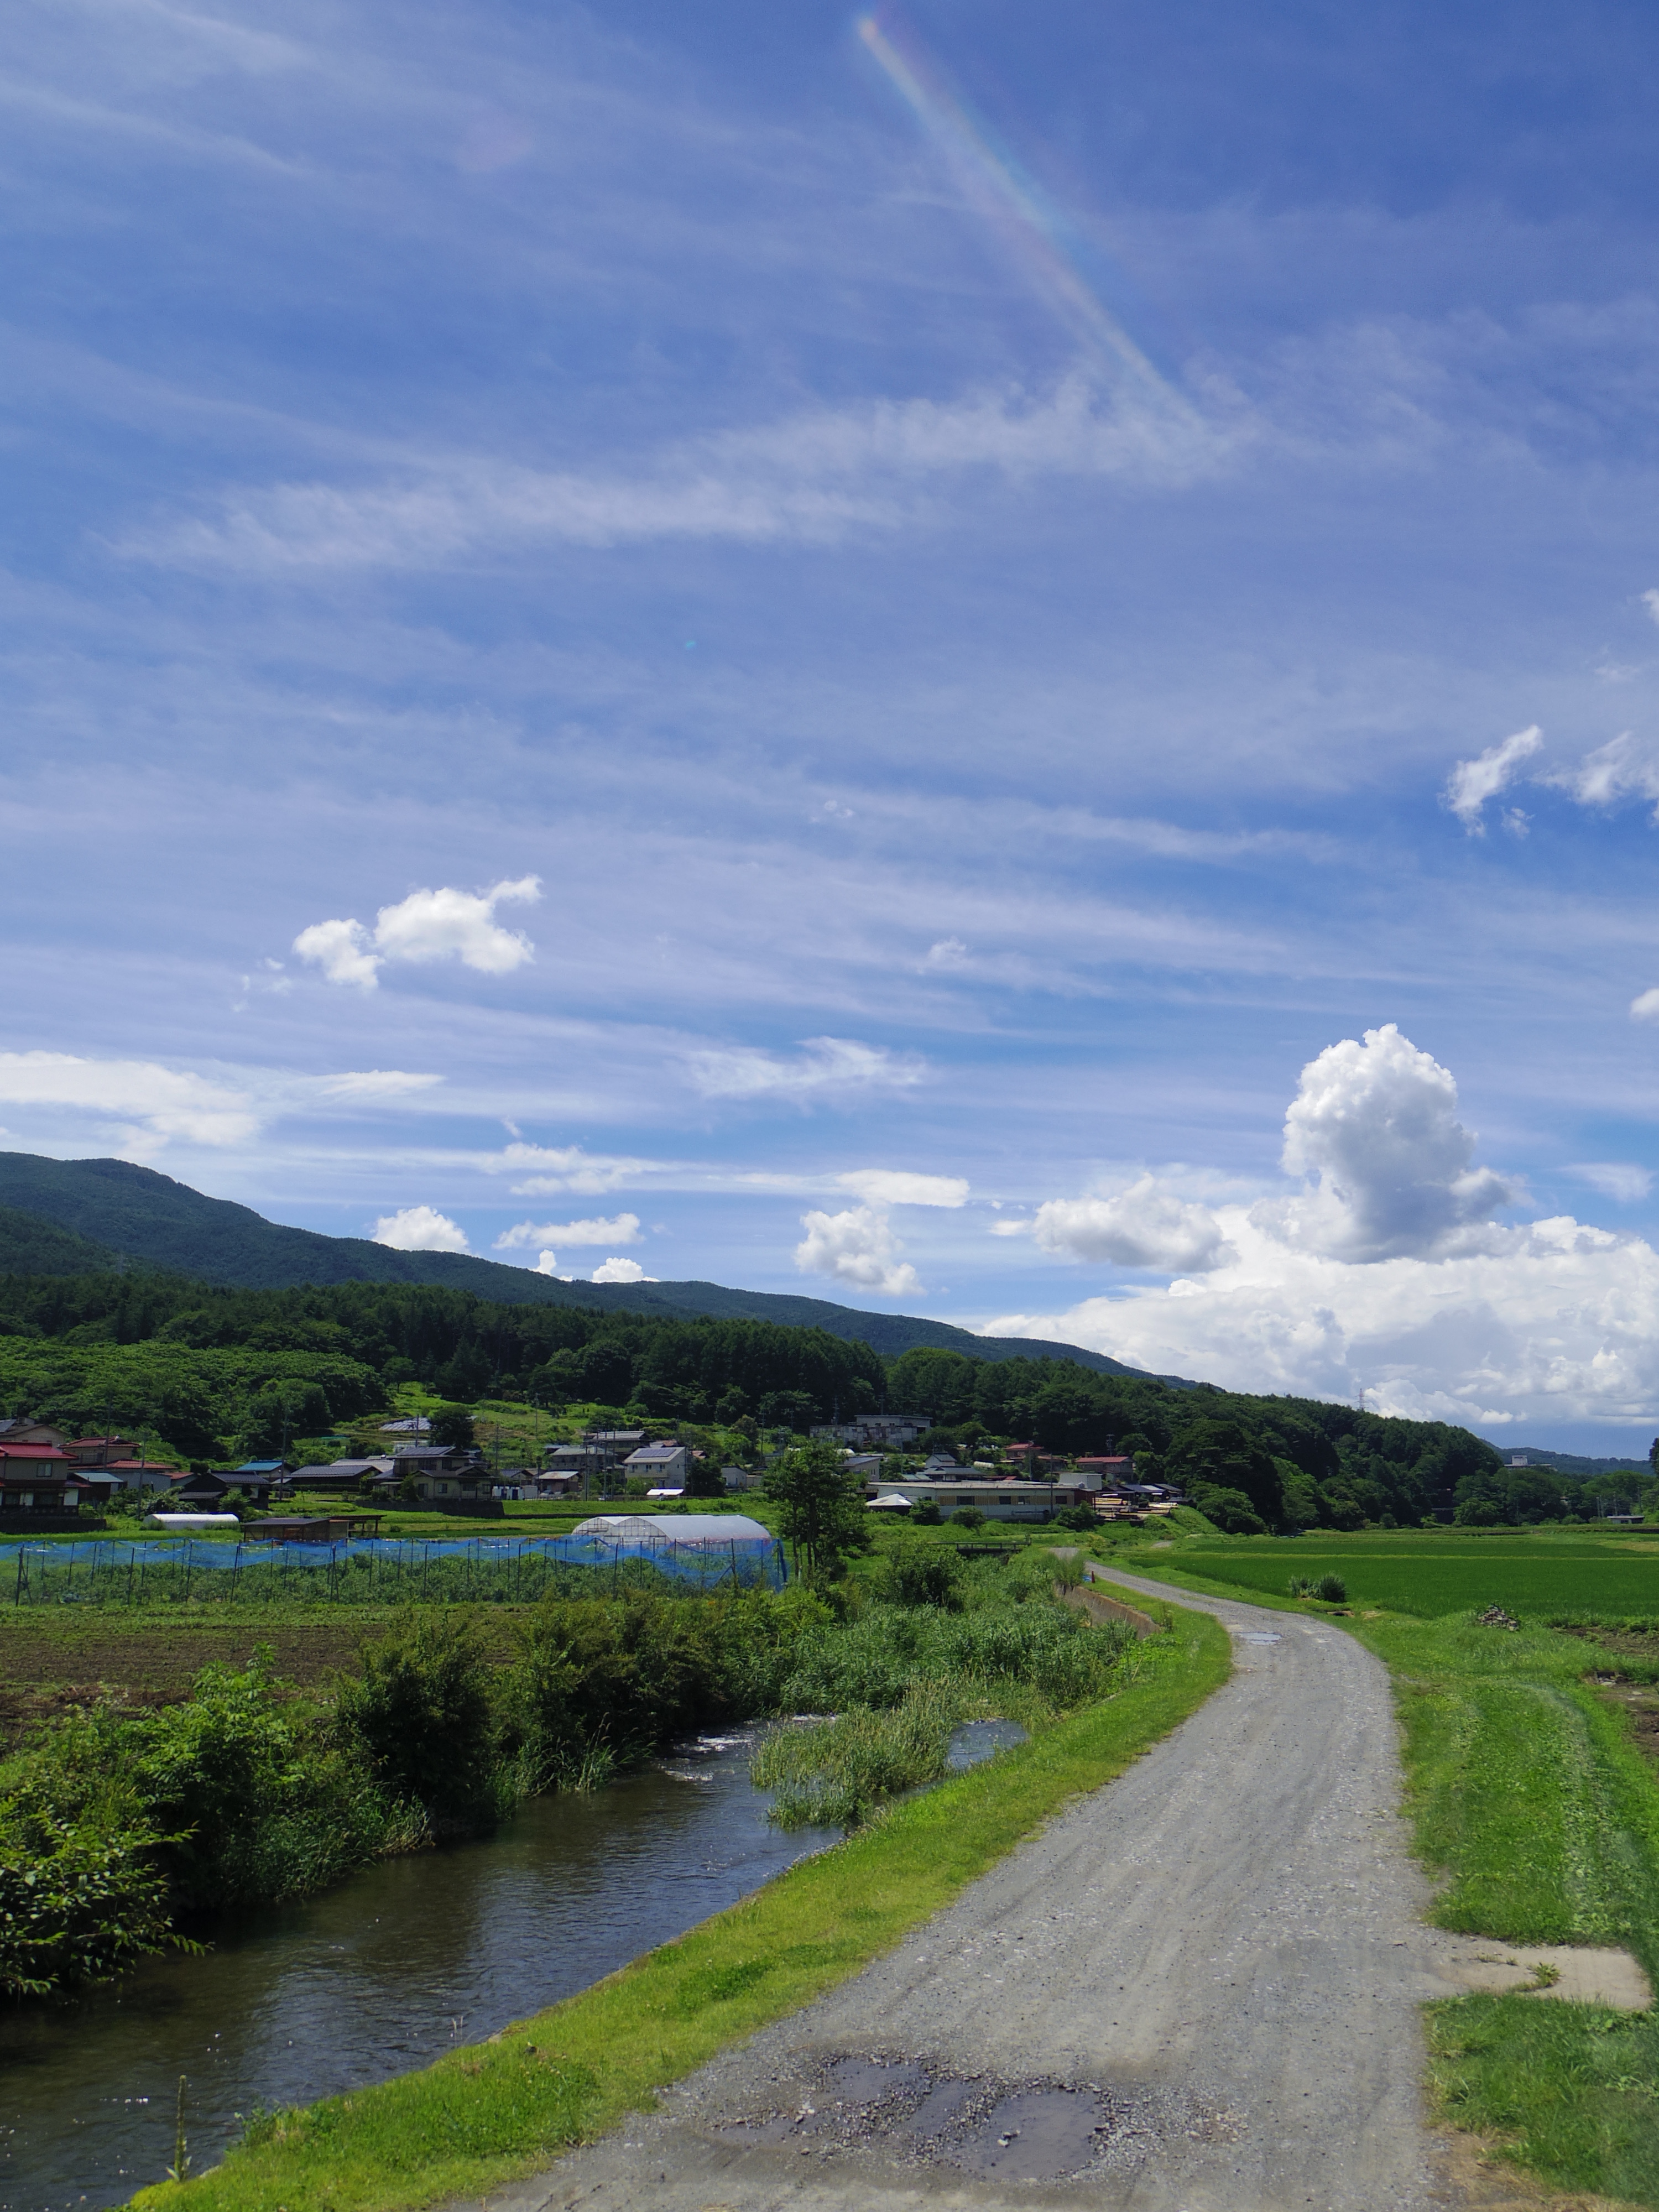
[484, 2116]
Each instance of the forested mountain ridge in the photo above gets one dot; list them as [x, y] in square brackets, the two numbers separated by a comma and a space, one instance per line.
[88, 1213]
[216, 1371]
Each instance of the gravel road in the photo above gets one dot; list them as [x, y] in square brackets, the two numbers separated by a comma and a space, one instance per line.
[1195, 1991]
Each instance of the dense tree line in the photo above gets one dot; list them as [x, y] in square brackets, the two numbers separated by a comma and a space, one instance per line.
[203, 1365]
[1251, 1464]
[206, 1365]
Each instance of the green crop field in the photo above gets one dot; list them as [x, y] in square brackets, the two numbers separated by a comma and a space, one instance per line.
[1434, 1572]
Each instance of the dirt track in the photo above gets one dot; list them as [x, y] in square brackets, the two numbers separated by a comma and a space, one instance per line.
[1196, 1992]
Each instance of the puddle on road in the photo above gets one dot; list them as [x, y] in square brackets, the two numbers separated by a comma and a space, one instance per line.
[914, 2113]
[1258, 1636]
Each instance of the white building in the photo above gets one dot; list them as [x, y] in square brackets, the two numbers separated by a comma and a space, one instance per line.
[1006, 1500]
[664, 1466]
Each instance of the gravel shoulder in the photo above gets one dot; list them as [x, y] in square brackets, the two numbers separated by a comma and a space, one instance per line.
[1196, 1991]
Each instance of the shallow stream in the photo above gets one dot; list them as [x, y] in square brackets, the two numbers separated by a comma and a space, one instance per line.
[386, 1973]
[378, 1976]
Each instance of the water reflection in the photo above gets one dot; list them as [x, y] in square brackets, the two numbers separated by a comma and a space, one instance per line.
[382, 1974]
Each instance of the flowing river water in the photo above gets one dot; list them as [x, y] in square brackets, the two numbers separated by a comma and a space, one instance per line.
[384, 1973]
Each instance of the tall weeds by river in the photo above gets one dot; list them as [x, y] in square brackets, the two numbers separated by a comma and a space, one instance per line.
[123, 1828]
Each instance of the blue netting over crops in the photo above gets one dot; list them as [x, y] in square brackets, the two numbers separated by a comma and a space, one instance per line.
[359, 1568]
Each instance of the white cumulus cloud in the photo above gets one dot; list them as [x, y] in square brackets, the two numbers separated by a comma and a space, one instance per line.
[1389, 1167]
[1473, 782]
[824, 1064]
[621, 1271]
[623, 1229]
[1644, 1007]
[427, 925]
[420, 1229]
[1557, 1322]
[147, 1104]
[1144, 1226]
[1385, 1277]
[857, 1246]
[897, 1187]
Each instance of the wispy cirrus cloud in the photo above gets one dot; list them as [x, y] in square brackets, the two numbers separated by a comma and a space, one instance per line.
[1473, 782]
[623, 1229]
[1625, 768]
[147, 1103]
[823, 1066]
[550, 1169]
[811, 479]
[902, 1187]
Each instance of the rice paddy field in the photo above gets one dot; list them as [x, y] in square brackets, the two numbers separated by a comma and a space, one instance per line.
[1543, 1573]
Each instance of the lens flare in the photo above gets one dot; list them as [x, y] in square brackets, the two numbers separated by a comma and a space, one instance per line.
[1045, 240]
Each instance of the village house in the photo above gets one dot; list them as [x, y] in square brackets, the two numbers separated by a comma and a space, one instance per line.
[18, 1431]
[876, 1431]
[38, 1489]
[100, 1451]
[1008, 1499]
[344, 1473]
[662, 1467]
[447, 1480]
[1111, 1467]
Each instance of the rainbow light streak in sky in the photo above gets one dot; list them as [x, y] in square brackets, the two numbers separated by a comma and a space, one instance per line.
[1039, 230]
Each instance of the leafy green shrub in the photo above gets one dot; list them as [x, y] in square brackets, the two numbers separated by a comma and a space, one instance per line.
[423, 1716]
[925, 1516]
[1332, 1588]
[1079, 1517]
[80, 1900]
[1230, 1510]
[968, 1516]
[923, 1574]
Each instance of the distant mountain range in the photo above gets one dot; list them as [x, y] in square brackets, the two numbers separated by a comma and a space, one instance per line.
[70, 1217]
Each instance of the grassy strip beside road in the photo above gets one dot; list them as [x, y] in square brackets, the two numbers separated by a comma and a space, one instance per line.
[1532, 1804]
[481, 2117]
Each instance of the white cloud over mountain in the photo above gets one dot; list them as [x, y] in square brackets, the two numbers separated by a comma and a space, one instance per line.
[857, 1246]
[621, 1271]
[427, 925]
[420, 1229]
[1386, 1273]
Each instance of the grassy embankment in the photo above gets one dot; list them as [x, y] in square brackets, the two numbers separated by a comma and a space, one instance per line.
[1531, 1803]
[480, 2116]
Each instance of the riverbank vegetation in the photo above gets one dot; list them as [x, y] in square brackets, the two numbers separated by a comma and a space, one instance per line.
[484, 2115]
[123, 1827]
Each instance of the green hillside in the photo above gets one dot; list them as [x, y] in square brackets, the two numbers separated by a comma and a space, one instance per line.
[214, 1370]
[30, 1246]
[117, 1207]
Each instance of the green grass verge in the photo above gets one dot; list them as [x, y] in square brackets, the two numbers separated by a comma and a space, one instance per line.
[1430, 1572]
[1541, 1819]
[483, 2116]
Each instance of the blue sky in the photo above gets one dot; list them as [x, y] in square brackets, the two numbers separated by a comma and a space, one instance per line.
[1001, 592]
